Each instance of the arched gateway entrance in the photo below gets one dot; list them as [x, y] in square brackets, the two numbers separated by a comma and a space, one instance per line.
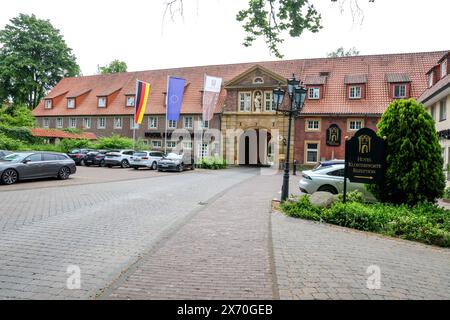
[254, 148]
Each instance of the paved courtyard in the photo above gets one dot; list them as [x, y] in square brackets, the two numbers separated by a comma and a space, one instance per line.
[202, 234]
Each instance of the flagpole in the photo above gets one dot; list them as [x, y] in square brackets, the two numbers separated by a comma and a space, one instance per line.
[201, 126]
[167, 106]
[134, 119]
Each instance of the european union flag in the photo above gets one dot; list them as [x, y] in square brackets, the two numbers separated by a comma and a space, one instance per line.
[175, 93]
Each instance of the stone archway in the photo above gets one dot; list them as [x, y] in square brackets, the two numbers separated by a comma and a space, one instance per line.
[253, 147]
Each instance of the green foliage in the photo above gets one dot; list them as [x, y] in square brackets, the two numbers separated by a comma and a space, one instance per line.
[33, 59]
[16, 116]
[73, 130]
[270, 18]
[414, 163]
[446, 193]
[41, 147]
[353, 196]
[115, 66]
[212, 163]
[114, 142]
[425, 222]
[7, 143]
[140, 145]
[341, 52]
[69, 144]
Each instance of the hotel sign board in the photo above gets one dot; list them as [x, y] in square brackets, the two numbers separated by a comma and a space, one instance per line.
[333, 138]
[365, 157]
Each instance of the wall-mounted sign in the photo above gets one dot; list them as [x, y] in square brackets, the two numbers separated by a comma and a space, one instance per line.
[333, 136]
[365, 157]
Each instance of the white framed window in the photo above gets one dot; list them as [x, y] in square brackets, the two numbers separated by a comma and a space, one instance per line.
[399, 90]
[70, 103]
[203, 150]
[443, 68]
[72, 123]
[46, 122]
[205, 124]
[430, 79]
[268, 101]
[48, 104]
[152, 122]
[117, 122]
[355, 124]
[59, 123]
[442, 110]
[245, 101]
[101, 123]
[187, 145]
[102, 102]
[129, 102]
[433, 112]
[188, 122]
[171, 144]
[87, 123]
[312, 125]
[314, 93]
[132, 124]
[354, 92]
[156, 144]
[311, 151]
[171, 124]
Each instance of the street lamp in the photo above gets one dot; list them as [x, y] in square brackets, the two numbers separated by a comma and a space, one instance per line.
[297, 96]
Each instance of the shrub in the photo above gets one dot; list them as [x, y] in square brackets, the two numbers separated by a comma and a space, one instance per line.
[17, 116]
[114, 142]
[69, 144]
[7, 143]
[414, 163]
[353, 196]
[19, 133]
[212, 163]
[301, 209]
[447, 193]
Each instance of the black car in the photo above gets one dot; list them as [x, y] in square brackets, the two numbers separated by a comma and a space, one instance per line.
[79, 156]
[96, 158]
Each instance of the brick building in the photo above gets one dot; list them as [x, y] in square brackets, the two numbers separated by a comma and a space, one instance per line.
[344, 94]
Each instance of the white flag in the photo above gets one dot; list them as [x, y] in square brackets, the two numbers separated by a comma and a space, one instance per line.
[211, 92]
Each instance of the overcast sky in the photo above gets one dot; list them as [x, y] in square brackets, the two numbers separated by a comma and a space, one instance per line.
[100, 31]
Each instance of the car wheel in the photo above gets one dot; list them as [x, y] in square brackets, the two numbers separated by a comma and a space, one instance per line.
[180, 168]
[102, 164]
[109, 166]
[87, 164]
[328, 188]
[154, 166]
[125, 164]
[64, 173]
[135, 168]
[82, 163]
[9, 176]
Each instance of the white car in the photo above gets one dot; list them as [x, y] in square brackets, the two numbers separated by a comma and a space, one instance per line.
[330, 179]
[120, 158]
[146, 159]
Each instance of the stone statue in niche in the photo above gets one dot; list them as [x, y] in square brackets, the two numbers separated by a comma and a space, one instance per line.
[257, 102]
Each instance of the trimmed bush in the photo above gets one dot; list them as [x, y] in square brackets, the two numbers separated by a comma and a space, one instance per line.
[69, 144]
[114, 142]
[212, 163]
[414, 170]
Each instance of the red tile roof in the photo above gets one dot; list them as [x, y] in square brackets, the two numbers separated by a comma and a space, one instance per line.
[334, 100]
[442, 84]
[54, 133]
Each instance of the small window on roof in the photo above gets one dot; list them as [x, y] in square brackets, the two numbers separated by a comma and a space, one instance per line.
[400, 90]
[101, 102]
[70, 103]
[130, 101]
[355, 92]
[258, 80]
[48, 104]
[444, 68]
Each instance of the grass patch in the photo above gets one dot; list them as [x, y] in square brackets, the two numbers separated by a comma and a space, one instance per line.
[425, 222]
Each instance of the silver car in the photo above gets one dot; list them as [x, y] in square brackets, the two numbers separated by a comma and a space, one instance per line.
[330, 179]
[35, 165]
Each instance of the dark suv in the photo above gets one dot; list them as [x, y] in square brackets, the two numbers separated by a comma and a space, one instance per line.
[96, 158]
[79, 156]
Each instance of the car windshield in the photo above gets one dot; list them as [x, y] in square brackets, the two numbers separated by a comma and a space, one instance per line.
[140, 154]
[14, 157]
[173, 156]
[75, 151]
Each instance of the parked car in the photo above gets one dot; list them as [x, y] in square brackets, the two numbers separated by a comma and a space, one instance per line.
[327, 163]
[79, 156]
[96, 158]
[146, 159]
[330, 179]
[34, 165]
[176, 162]
[4, 153]
[120, 158]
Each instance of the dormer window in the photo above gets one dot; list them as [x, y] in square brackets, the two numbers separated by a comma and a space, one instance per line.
[258, 80]
[130, 101]
[443, 68]
[102, 102]
[399, 90]
[354, 92]
[48, 104]
[70, 103]
[430, 79]
[314, 93]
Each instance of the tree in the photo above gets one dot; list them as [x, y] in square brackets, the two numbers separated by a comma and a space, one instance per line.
[270, 19]
[115, 66]
[414, 163]
[16, 116]
[341, 52]
[33, 59]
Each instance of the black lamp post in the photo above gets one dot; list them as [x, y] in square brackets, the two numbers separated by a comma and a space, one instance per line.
[297, 96]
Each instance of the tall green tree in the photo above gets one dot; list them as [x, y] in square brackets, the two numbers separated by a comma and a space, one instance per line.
[414, 162]
[341, 52]
[115, 66]
[33, 58]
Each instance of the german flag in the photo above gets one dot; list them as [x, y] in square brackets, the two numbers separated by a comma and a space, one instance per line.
[140, 104]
